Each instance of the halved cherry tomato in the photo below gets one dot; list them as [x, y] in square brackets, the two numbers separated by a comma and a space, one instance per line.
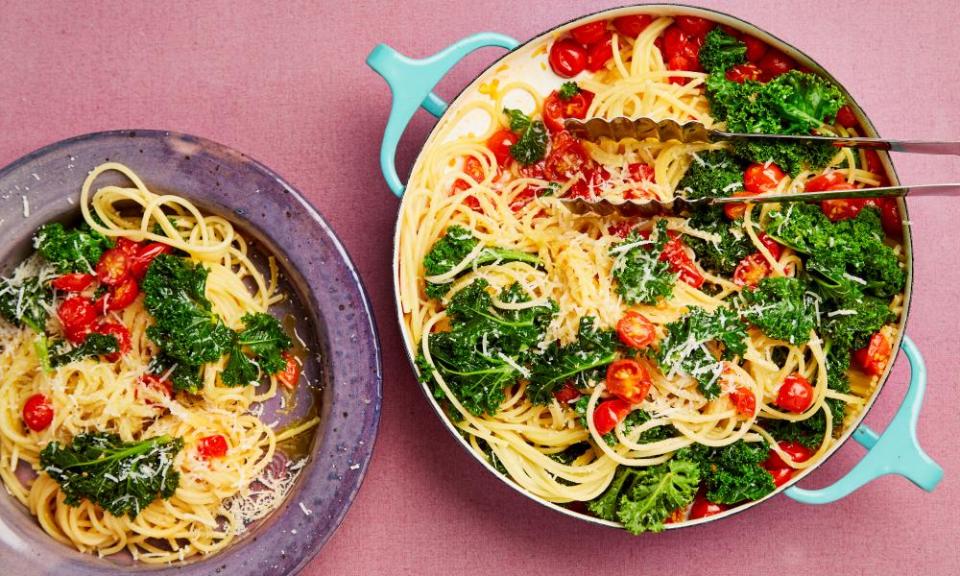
[119, 297]
[781, 475]
[776, 250]
[157, 383]
[113, 266]
[567, 393]
[290, 374]
[674, 254]
[875, 166]
[592, 178]
[567, 158]
[556, 109]
[751, 270]
[744, 401]
[873, 357]
[567, 58]
[126, 245]
[521, 200]
[743, 72]
[775, 63]
[735, 211]
[680, 62]
[500, 144]
[676, 42]
[643, 173]
[842, 208]
[825, 181]
[77, 315]
[473, 169]
[212, 447]
[756, 48]
[636, 331]
[140, 262]
[608, 414]
[702, 507]
[797, 452]
[598, 54]
[632, 26]
[761, 178]
[693, 25]
[590, 33]
[76, 282]
[628, 380]
[118, 331]
[534, 170]
[890, 217]
[37, 412]
[796, 394]
[845, 117]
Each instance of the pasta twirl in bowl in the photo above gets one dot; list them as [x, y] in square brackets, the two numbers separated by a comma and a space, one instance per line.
[189, 368]
[647, 373]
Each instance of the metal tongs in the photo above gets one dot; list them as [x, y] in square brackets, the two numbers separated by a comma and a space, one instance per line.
[641, 129]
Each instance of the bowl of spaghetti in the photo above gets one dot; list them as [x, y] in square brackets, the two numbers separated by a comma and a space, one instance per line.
[189, 372]
[647, 373]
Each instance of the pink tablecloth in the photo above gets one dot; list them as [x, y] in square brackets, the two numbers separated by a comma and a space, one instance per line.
[288, 85]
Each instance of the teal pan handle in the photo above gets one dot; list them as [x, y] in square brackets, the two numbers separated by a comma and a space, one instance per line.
[895, 451]
[412, 82]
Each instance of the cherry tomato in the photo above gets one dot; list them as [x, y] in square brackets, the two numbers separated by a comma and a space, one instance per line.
[567, 393]
[212, 447]
[608, 414]
[113, 266]
[776, 250]
[756, 49]
[775, 63]
[126, 245]
[744, 401]
[890, 217]
[693, 25]
[796, 394]
[473, 169]
[680, 62]
[534, 170]
[290, 375]
[590, 33]
[567, 58]
[76, 282]
[621, 228]
[743, 72]
[566, 159]
[674, 253]
[592, 179]
[500, 144]
[77, 314]
[642, 172]
[636, 331]
[797, 452]
[845, 117]
[598, 54]
[140, 262]
[118, 331]
[521, 200]
[825, 181]
[157, 383]
[762, 178]
[875, 166]
[676, 42]
[119, 297]
[842, 208]
[735, 211]
[781, 475]
[556, 109]
[37, 412]
[873, 357]
[632, 26]
[628, 380]
[751, 270]
[702, 507]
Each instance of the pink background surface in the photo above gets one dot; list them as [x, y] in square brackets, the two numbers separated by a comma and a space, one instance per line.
[289, 87]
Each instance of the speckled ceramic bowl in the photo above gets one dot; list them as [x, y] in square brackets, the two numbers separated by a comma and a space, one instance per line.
[325, 295]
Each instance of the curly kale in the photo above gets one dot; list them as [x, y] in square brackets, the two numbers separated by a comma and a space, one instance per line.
[582, 361]
[121, 477]
[734, 473]
[187, 331]
[93, 345]
[74, 250]
[456, 244]
[265, 341]
[732, 245]
[781, 308]
[684, 350]
[24, 302]
[791, 158]
[721, 51]
[642, 276]
[568, 90]
[714, 173]
[486, 347]
[643, 498]
[632, 420]
[531, 146]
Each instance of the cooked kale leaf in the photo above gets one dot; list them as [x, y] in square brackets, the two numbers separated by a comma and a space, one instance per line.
[733, 473]
[685, 349]
[74, 250]
[732, 245]
[24, 302]
[721, 51]
[531, 145]
[265, 341]
[121, 477]
[568, 90]
[643, 498]
[781, 308]
[582, 361]
[642, 276]
[716, 173]
[93, 345]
